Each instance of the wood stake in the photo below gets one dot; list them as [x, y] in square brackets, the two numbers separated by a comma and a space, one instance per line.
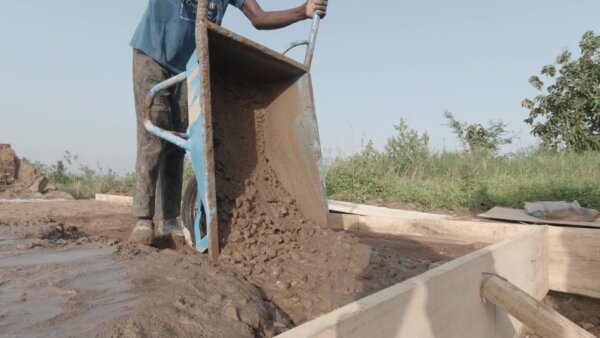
[537, 316]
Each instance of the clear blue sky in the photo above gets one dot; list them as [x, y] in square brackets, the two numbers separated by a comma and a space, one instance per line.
[66, 69]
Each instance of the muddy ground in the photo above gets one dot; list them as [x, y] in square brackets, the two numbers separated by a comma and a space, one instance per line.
[56, 282]
[67, 270]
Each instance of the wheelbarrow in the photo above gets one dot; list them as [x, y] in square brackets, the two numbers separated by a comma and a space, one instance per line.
[228, 69]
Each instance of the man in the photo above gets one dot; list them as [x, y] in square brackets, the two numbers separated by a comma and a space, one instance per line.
[163, 43]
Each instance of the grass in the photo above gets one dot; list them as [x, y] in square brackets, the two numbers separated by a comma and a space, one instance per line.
[461, 181]
[408, 172]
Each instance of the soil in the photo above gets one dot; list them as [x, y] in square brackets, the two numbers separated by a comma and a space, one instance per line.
[67, 270]
[21, 180]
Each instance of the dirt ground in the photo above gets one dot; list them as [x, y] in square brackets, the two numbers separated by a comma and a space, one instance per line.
[67, 270]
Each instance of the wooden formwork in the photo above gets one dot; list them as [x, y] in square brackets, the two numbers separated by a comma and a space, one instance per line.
[446, 301]
[574, 260]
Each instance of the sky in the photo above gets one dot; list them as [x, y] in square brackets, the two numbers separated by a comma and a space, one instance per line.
[66, 69]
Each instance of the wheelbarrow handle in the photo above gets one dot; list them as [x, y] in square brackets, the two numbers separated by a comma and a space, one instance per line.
[311, 42]
[178, 139]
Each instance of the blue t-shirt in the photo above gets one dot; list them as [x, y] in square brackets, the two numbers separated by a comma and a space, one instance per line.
[167, 30]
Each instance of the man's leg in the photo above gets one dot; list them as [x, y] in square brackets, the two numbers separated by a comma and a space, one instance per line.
[171, 180]
[146, 74]
[171, 171]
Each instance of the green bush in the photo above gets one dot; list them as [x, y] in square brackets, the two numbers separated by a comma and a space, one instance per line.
[83, 181]
[465, 181]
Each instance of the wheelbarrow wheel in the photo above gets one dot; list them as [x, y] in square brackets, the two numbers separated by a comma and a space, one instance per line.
[189, 212]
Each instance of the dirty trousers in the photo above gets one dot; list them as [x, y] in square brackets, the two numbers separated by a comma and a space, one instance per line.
[157, 160]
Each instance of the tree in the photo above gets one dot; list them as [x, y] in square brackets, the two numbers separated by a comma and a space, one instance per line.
[566, 114]
[477, 138]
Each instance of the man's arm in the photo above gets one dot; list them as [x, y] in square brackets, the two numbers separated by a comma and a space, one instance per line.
[278, 19]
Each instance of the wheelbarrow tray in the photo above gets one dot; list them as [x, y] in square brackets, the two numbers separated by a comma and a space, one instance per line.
[258, 112]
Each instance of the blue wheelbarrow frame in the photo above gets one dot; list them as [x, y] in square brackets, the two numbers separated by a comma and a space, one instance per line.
[198, 140]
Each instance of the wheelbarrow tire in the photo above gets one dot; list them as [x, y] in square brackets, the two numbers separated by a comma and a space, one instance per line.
[189, 212]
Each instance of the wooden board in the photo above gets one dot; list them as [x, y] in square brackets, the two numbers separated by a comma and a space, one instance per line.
[368, 210]
[474, 231]
[444, 302]
[114, 199]
[574, 260]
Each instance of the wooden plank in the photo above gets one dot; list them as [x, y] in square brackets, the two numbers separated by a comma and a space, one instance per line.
[474, 231]
[368, 210]
[440, 228]
[537, 316]
[114, 199]
[574, 256]
[444, 302]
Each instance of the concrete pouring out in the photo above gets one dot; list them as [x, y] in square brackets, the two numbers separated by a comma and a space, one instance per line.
[306, 269]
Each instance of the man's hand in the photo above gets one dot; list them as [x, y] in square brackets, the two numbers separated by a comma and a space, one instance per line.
[316, 6]
[277, 19]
